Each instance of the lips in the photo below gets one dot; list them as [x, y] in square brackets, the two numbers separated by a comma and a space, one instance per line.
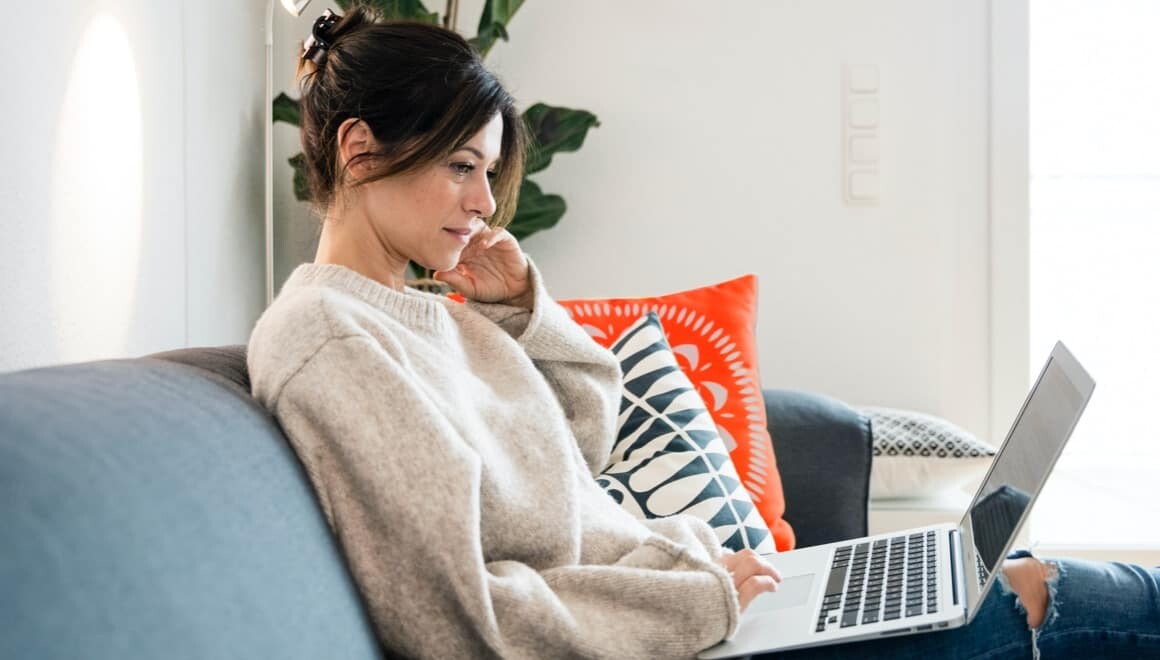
[463, 234]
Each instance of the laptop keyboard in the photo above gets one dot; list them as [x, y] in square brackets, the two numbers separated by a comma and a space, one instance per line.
[880, 580]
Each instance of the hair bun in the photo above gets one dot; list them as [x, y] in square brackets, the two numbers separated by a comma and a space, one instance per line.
[358, 17]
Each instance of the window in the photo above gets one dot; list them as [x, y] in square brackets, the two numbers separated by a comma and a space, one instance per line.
[1095, 258]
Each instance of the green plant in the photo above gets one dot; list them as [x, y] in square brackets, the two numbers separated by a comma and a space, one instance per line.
[552, 129]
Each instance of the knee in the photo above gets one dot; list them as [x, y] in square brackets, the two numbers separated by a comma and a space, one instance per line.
[1028, 577]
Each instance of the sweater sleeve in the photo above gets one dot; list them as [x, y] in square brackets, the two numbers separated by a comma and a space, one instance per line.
[584, 375]
[401, 490]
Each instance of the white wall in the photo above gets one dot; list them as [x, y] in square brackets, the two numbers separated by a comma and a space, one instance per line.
[130, 192]
[720, 153]
[296, 230]
[130, 189]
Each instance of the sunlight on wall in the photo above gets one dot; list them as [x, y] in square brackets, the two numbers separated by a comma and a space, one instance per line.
[97, 197]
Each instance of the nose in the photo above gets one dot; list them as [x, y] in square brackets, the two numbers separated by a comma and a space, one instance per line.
[479, 200]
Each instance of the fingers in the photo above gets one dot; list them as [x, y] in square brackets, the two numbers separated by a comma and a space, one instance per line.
[496, 236]
[752, 575]
[491, 268]
[754, 587]
[485, 238]
[484, 241]
[455, 278]
[447, 276]
[747, 562]
[492, 236]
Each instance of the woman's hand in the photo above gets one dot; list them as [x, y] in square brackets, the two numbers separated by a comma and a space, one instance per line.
[752, 575]
[492, 268]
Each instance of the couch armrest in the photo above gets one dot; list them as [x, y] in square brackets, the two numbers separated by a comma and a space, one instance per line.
[823, 452]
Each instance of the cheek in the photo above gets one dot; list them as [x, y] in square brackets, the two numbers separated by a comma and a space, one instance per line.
[381, 197]
[419, 200]
[393, 205]
[433, 189]
[439, 200]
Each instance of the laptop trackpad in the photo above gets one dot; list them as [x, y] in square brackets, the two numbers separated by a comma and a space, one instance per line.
[792, 591]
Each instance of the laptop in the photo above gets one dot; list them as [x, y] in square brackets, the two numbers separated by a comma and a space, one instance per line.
[925, 579]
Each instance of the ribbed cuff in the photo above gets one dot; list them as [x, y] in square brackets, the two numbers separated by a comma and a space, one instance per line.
[730, 604]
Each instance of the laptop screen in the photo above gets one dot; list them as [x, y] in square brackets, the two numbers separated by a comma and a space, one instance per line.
[1019, 471]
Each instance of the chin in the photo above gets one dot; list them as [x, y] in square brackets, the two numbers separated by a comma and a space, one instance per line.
[436, 265]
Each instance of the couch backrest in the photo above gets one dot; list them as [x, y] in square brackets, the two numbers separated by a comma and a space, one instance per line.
[149, 508]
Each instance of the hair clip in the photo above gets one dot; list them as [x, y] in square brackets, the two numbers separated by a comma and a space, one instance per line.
[316, 45]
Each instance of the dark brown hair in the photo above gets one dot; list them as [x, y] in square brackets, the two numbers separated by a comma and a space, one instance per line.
[421, 89]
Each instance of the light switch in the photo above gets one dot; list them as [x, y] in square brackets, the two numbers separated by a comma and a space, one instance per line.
[861, 139]
[862, 78]
[863, 149]
[863, 114]
[862, 186]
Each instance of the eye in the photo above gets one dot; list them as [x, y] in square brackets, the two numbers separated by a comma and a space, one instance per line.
[462, 169]
[491, 175]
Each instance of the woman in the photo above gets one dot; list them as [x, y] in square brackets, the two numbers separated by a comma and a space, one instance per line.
[453, 446]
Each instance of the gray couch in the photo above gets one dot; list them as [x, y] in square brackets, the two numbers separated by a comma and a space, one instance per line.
[149, 508]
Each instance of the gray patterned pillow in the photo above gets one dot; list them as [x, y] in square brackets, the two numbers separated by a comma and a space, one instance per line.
[917, 455]
[668, 457]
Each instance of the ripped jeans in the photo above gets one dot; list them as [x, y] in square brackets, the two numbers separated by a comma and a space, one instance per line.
[1094, 610]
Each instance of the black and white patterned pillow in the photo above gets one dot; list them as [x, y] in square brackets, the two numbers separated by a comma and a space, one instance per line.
[668, 457]
[918, 455]
[908, 433]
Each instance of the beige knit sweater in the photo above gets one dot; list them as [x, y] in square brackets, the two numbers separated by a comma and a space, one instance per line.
[452, 448]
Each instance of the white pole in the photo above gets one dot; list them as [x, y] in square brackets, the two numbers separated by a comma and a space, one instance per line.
[269, 132]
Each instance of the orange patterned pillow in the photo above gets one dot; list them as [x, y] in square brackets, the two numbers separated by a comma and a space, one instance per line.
[711, 330]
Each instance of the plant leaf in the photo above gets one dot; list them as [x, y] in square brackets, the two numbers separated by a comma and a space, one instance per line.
[301, 187]
[418, 272]
[555, 129]
[395, 10]
[288, 110]
[536, 211]
[493, 23]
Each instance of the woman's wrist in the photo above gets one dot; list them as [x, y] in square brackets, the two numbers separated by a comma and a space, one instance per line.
[526, 299]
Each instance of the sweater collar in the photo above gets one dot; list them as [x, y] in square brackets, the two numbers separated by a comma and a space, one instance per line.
[409, 305]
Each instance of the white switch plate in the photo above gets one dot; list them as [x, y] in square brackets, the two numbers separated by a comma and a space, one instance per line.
[862, 78]
[863, 149]
[861, 134]
[862, 186]
[862, 113]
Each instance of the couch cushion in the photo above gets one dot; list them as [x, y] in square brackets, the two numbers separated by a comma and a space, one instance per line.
[151, 509]
[228, 362]
[668, 457]
[823, 446]
[712, 331]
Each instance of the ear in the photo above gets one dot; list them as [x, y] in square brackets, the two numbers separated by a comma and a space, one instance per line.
[354, 138]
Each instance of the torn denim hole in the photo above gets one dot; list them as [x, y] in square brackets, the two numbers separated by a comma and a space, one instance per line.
[1055, 573]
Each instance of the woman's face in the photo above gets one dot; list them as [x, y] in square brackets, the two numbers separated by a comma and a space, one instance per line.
[429, 216]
